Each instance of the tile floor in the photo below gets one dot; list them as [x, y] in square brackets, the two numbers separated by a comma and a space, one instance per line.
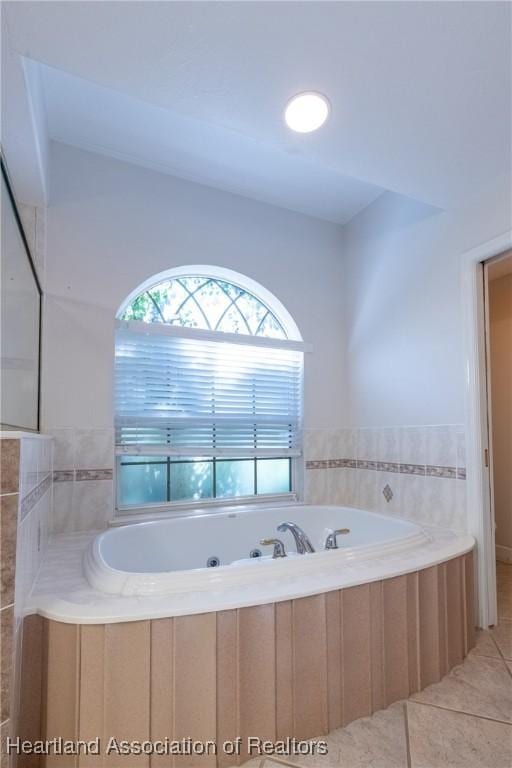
[465, 721]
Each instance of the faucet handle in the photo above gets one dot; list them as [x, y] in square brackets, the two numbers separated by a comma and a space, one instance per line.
[279, 550]
[331, 542]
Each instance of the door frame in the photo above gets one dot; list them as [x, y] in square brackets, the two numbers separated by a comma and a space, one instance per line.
[479, 508]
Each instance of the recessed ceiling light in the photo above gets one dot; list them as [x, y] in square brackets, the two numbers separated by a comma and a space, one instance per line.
[307, 111]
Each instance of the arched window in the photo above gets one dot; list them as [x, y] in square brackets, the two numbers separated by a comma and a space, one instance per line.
[207, 303]
[208, 391]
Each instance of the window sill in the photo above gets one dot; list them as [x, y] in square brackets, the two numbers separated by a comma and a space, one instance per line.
[204, 507]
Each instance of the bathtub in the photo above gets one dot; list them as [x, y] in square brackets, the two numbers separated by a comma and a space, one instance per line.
[172, 555]
[144, 639]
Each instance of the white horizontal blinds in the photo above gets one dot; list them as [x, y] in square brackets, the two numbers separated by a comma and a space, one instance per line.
[203, 397]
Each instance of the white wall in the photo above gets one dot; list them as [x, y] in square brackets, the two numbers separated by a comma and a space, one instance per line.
[404, 320]
[23, 131]
[111, 225]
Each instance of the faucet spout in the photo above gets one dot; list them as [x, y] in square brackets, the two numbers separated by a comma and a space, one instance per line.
[302, 541]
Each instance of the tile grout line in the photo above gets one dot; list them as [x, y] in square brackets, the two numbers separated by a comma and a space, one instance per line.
[460, 712]
[407, 737]
[502, 658]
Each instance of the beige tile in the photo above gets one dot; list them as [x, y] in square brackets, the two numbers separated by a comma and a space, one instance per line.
[443, 618]
[367, 444]
[469, 602]
[314, 448]
[485, 646]
[5, 731]
[396, 666]
[349, 491]
[413, 650]
[92, 505]
[91, 690]
[480, 686]
[379, 668]
[442, 739]
[454, 611]
[356, 653]
[413, 445]
[441, 502]
[9, 466]
[394, 480]
[368, 490]
[63, 446]
[502, 634]
[269, 762]
[194, 683]
[442, 445]
[6, 641]
[504, 587]
[125, 716]
[94, 448]
[31, 686]
[378, 741]
[315, 760]
[412, 497]
[332, 758]
[8, 528]
[310, 666]
[428, 595]
[256, 671]
[61, 519]
[60, 695]
[284, 668]
[388, 444]
[162, 687]
[227, 683]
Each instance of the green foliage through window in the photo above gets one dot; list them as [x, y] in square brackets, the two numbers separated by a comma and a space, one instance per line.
[154, 480]
[206, 303]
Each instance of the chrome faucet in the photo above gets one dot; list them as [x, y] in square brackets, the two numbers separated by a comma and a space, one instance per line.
[279, 550]
[302, 542]
[331, 542]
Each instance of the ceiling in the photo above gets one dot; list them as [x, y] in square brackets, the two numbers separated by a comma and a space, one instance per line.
[420, 93]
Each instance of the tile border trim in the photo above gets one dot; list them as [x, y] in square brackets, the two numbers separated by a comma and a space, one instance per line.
[68, 475]
[30, 500]
[425, 470]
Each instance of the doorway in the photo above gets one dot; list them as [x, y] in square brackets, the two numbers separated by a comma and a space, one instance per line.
[498, 342]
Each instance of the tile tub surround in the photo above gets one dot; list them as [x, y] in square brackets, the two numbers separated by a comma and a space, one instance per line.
[84, 490]
[83, 461]
[26, 480]
[298, 668]
[415, 472]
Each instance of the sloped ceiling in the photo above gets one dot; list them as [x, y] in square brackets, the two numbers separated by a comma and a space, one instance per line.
[420, 93]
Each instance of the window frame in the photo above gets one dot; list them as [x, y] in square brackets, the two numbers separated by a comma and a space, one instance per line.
[186, 507]
[182, 507]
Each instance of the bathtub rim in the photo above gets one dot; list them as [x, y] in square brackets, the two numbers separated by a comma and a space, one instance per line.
[109, 580]
[62, 594]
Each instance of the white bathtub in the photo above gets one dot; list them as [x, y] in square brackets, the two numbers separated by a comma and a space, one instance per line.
[170, 556]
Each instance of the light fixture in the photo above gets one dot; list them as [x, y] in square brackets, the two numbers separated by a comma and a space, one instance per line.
[307, 111]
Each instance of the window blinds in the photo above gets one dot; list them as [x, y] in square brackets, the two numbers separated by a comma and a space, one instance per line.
[194, 395]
